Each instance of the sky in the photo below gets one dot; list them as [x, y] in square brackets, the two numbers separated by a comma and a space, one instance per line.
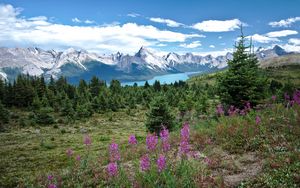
[181, 26]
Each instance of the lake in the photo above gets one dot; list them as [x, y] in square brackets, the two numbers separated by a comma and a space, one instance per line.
[164, 79]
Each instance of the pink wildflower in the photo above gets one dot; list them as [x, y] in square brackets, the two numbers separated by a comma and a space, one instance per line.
[52, 186]
[145, 163]
[132, 140]
[161, 163]
[273, 98]
[151, 142]
[50, 177]
[78, 158]
[220, 110]
[257, 120]
[207, 161]
[112, 169]
[114, 152]
[296, 97]
[69, 152]
[164, 136]
[87, 140]
[184, 146]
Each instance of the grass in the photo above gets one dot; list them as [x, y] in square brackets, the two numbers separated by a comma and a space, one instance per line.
[29, 151]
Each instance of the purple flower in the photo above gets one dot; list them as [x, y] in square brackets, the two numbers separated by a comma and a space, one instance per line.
[184, 146]
[145, 163]
[132, 140]
[87, 140]
[78, 158]
[220, 110]
[69, 152]
[151, 142]
[161, 163]
[242, 112]
[114, 152]
[112, 169]
[50, 177]
[257, 120]
[164, 136]
[52, 186]
[274, 97]
[207, 160]
[296, 97]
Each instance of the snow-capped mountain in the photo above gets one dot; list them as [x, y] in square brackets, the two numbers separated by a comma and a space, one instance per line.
[77, 64]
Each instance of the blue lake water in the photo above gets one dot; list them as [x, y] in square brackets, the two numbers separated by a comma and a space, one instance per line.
[163, 79]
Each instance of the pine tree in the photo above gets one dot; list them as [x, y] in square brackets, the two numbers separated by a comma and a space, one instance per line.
[4, 114]
[242, 81]
[159, 115]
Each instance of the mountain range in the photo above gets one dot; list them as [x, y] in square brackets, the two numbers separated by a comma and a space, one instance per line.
[81, 64]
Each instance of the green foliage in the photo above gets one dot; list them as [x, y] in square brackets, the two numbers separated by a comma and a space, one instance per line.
[242, 81]
[4, 114]
[159, 115]
[43, 116]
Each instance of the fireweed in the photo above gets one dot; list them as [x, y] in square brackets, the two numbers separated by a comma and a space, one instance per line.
[52, 186]
[164, 136]
[151, 142]
[114, 152]
[145, 163]
[69, 152]
[220, 110]
[132, 140]
[112, 169]
[161, 163]
[87, 140]
[257, 120]
[184, 146]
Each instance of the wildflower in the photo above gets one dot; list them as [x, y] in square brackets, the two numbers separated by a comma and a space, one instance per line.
[161, 163]
[164, 136]
[184, 146]
[132, 140]
[145, 163]
[231, 110]
[220, 110]
[114, 152]
[242, 112]
[112, 169]
[248, 106]
[52, 186]
[78, 158]
[50, 177]
[87, 140]
[273, 98]
[296, 97]
[69, 152]
[257, 120]
[207, 160]
[151, 142]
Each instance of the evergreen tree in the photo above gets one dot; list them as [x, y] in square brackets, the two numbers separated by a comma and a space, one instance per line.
[4, 114]
[159, 115]
[242, 81]
[156, 86]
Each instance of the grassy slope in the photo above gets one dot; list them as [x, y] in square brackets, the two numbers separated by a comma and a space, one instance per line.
[26, 152]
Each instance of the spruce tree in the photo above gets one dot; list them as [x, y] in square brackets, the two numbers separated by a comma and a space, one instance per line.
[159, 115]
[242, 81]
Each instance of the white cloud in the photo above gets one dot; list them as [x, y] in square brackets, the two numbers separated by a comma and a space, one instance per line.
[263, 39]
[194, 44]
[218, 25]
[285, 23]
[133, 15]
[170, 23]
[220, 37]
[215, 53]
[76, 20]
[161, 45]
[294, 41]
[212, 46]
[282, 33]
[291, 48]
[89, 21]
[37, 31]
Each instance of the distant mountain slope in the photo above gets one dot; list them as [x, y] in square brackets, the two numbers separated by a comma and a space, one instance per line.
[77, 64]
[290, 59]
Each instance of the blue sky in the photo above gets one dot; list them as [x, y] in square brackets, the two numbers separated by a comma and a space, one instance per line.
[108, 26]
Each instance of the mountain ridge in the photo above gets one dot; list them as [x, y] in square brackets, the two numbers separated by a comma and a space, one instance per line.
[81, 63]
